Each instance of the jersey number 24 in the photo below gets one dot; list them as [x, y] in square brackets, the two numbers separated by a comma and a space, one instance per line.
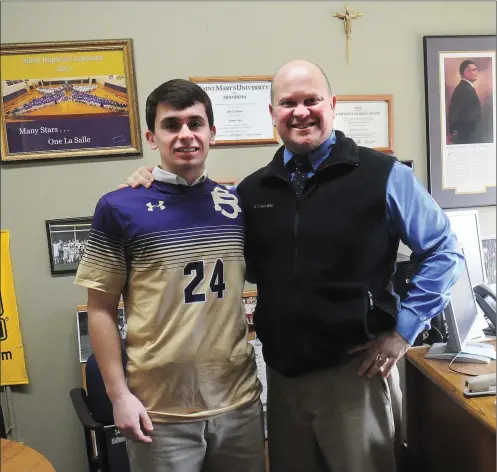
[216, 284]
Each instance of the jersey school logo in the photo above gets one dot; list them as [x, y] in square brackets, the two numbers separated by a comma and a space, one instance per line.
[160, 205]
[223, 198]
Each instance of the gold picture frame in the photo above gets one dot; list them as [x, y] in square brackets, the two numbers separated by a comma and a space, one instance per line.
[69, 99]
[367, 119]
[241, 108]
[227, 182]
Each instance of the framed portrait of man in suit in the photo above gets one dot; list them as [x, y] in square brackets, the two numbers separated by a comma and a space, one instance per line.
[460, 94]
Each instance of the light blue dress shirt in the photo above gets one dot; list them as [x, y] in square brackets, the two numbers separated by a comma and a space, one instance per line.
[422, 225]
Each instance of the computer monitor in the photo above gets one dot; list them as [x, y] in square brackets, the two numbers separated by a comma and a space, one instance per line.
[461, 314]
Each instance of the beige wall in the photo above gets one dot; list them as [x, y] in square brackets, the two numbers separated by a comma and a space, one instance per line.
[181, 40]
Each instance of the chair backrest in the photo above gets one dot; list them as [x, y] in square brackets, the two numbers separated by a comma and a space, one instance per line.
[98, 401]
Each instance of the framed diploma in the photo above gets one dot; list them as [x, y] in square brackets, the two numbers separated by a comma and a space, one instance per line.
[460, 95]
[241, 108]
[68, 100]
[367, 119]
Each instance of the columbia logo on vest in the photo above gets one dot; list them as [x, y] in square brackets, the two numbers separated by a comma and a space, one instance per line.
[263, 205]
[160, 205]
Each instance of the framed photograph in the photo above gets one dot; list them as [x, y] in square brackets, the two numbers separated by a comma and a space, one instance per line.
[69, 99]
[240, 107]
[489, 258]
[84, 344]
[67, 239]
[367, 119]
[250, 302]
[460, 96]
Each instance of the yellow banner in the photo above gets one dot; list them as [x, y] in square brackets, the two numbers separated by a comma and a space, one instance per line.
[66, 65]
[13, 367]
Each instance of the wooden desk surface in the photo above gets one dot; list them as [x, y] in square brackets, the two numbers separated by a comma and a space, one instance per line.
[17, 457]
[482, 408]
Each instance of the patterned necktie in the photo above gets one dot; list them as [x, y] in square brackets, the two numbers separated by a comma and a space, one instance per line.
[302, 169]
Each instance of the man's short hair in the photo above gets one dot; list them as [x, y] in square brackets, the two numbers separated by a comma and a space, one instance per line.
[464, 65]
[179, 94]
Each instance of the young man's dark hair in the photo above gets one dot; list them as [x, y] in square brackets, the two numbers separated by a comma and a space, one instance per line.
[464, 65]
[180, 94]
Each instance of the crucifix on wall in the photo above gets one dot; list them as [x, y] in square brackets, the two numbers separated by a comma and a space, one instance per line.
[347, 18]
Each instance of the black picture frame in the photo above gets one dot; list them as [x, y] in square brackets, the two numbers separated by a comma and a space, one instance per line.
[70, 235]
[440, 81]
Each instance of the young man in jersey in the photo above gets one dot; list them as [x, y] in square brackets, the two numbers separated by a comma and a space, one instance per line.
[190, 402]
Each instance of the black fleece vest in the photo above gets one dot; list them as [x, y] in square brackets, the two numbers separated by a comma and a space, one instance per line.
[322, 263]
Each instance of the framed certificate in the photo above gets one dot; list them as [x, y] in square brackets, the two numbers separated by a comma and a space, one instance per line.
[68, 100]
[241, 108]
[367, 119]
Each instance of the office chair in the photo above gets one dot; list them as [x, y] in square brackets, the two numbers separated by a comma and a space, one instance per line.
[105, 446]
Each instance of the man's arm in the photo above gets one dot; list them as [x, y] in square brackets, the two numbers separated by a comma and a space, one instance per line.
[106, 344]
[424, 227]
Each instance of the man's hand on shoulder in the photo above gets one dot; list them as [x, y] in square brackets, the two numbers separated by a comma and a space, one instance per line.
[128, 411]
[382, 354]
[142, 176]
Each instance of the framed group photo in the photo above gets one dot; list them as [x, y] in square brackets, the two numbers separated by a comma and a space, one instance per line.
[460, 94]
[67, 239]
[68, 99]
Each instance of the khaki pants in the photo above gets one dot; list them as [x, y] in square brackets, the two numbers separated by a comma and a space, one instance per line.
[332, 420]
[230, 442]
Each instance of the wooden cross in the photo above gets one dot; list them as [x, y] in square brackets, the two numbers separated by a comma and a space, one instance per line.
[347, 23]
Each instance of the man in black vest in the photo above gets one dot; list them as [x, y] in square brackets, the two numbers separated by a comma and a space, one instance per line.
[323, 223]
[322, 253]
[465, 109]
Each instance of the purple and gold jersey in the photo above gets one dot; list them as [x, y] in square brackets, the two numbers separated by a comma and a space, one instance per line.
[176, 254]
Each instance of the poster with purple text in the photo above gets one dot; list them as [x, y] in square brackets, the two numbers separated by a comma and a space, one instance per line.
[67, 100]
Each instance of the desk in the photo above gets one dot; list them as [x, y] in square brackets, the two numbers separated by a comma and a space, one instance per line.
[17, 457]
[445, 430]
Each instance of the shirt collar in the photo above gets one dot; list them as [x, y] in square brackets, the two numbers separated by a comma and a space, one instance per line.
[317, 156]
[470, 83]
[170, 178]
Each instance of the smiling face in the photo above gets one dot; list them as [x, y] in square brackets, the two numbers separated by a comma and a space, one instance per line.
[302, 107]
[183, 138]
